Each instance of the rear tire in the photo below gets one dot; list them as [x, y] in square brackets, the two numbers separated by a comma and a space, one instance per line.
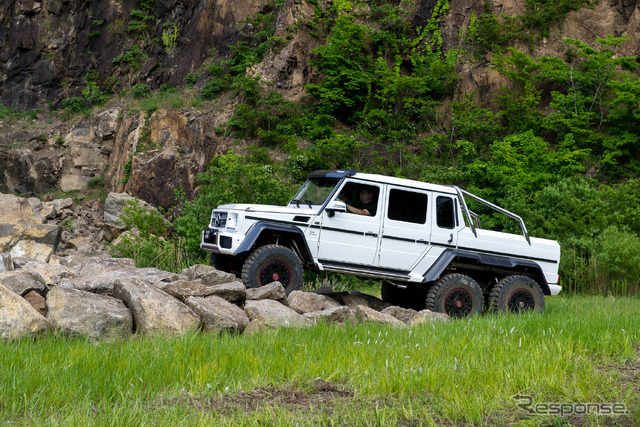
[273, 263]
[516, 294]
[456, 295]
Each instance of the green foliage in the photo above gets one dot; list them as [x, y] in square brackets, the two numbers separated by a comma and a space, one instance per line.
[147, 220]
[96, 182]
[618, 251]
[169, 38]
[231, 179]
[133, 58]
[541, 14]
[191, 78]
[91, 95]
[140, 90]
[212, 88]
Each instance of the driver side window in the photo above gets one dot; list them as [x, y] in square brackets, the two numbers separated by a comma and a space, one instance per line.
[361, 196]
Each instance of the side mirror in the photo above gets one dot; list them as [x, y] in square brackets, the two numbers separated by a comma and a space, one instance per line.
[335, 206]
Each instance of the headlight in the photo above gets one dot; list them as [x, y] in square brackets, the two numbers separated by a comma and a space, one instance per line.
[233, 220]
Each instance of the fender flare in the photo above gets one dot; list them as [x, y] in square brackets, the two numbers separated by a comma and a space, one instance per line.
[506, 262]
[256, 230]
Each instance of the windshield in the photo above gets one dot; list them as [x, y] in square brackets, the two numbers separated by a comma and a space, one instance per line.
[315, 191]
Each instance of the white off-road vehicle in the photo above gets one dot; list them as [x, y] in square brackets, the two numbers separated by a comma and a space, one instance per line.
[421, 240]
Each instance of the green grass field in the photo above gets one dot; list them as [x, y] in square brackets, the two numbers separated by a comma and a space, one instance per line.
[581, 350]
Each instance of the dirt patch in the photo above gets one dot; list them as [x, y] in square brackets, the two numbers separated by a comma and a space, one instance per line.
[318, 393]
[631, 372]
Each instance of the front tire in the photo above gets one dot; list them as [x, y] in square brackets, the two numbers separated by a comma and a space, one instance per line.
[456, 295]
[273, 263]
[517, 294]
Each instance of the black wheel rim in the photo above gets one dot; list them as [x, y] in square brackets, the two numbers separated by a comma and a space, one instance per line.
[275, 271]
[458, 303]
[521, 300]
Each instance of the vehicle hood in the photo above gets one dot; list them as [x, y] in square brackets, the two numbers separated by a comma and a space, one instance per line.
[268, 209]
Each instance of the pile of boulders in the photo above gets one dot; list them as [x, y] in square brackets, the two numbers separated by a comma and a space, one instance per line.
[55, 276]
[104, 298]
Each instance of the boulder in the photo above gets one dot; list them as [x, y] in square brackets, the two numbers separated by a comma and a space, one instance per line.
[305, 302]
[218, 314]
[341, 314]
[96, 317]
[273, 291]
[52, 274]
[403, 314]
[426, 316]
[31, 249]
[209, 275]
[234, 292]
[182, 289]
[37, 301]
[272, 314]
[104, 283]
[17, 317]
[94, 265]
[371, 301]
[368, 314]
[21, 282]
[155, 311]
[18, 210]
[6, 264]
[86, 266]
[45, 234]
[330, 303]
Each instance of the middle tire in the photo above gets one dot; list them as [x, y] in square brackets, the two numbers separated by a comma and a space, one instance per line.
[273, 263]
[456, 295]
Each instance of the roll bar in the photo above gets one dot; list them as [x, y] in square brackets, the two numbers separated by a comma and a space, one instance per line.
[472, 216]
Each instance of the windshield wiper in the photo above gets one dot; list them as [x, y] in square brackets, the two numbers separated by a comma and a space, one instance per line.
[297, 202]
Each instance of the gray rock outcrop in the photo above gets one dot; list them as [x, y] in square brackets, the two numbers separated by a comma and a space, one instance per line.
[94, 316]
[155, 311]
[218, 314]
[17, 317]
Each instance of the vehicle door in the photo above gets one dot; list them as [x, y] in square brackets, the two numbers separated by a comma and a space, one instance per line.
[350, 240]
[406, 229]
[446, 225]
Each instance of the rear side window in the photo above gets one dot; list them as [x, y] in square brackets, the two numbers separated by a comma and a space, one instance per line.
[445, 217]
[407, 206]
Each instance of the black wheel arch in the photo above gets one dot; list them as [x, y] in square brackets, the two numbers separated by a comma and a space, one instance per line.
[264, 233]
[478, 263]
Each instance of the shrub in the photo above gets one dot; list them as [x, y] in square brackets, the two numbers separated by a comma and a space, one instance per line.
[191, 78]
[140, 90]
[211, 89]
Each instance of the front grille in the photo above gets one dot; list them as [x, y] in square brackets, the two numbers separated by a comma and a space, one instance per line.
[219, 219]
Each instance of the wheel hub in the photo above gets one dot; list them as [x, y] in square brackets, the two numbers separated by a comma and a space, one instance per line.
[275, 271]
[458, 303]
[521, 300]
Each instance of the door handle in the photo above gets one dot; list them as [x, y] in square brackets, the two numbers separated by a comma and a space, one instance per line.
[370, 233]
[426, 242]
[450, 238]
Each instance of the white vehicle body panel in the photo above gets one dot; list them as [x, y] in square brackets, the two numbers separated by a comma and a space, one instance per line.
[380, 246]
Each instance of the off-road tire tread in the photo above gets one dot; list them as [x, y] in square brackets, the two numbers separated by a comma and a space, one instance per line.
[497, 293]
[436, 289]
[250, 267]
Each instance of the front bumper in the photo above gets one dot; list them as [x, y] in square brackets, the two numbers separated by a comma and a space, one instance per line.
[218, 241]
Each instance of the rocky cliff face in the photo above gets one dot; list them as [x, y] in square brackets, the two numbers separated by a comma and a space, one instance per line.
[47, 47]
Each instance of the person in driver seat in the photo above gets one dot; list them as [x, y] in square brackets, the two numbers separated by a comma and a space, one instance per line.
[366, 205]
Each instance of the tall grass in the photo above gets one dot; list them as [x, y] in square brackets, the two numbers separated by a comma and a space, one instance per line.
[464, 371]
